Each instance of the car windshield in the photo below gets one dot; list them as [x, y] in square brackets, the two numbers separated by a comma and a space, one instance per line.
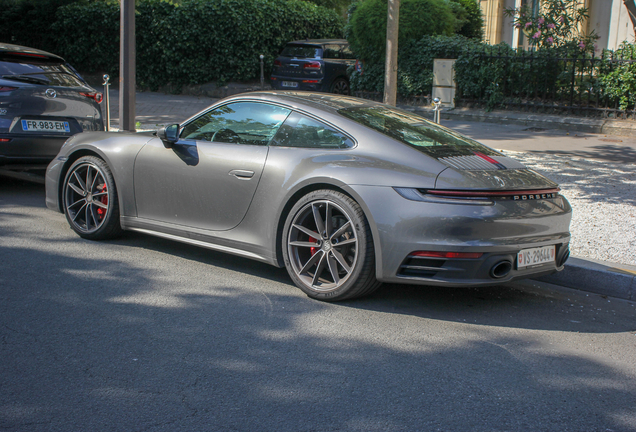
[416, 132]
[302, 51]
[47, 73]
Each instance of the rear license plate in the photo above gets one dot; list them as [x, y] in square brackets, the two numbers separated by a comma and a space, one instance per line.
[535, 256]
[293, 84]
[45, 126]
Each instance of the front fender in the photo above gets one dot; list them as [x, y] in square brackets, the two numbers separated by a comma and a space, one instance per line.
[117, 149]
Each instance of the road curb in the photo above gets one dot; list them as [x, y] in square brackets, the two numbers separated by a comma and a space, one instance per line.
[615, 280]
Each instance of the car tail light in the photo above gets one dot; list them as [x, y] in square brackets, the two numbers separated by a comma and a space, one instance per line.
[435, 254]
[7, 89]
[312, 66]
[277, 63]
[538, 193]
[97, 96]
[5, 139]
[27, 54]
[311, 81]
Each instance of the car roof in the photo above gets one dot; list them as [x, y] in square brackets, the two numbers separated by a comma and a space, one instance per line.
[322, 101]
[6, 48]
[319, 42]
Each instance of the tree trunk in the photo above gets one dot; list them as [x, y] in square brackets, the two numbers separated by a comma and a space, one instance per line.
[631, 8]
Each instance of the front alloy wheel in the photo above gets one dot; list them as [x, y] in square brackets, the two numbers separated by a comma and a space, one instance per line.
[329, 250]
[90, 199]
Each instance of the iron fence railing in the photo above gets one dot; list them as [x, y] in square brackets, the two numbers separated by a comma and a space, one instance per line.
[545, 81]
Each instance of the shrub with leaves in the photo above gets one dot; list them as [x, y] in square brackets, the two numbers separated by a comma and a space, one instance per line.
[366, 30]
[415, 64]
[28, 22]
[618, 79]
[193, 42]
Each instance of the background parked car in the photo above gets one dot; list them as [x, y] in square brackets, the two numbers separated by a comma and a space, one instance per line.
[43, 101]
[314, 65]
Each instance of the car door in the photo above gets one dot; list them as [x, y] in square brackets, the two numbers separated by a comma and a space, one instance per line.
[208, 178]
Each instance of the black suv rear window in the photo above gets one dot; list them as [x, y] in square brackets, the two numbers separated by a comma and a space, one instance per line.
[302, 51]
[38, 71]
[416, 132]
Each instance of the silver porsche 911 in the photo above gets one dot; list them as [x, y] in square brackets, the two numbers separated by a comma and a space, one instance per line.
[345, 193]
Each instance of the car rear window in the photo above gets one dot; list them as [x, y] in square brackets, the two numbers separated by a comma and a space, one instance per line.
[302, 51]
[416, 132]
[43, 72]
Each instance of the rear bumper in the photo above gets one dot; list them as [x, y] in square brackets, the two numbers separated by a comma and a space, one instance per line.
[29, 149]
[277, 84]
[498, 232]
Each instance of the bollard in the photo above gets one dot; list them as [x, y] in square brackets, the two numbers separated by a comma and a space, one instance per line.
[107, 97]
[437, 115]
[262, 75]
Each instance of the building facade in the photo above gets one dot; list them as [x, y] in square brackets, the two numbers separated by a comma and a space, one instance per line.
[608, 18]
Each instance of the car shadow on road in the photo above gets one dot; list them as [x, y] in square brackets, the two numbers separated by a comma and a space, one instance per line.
[526, 304]
[108, 341]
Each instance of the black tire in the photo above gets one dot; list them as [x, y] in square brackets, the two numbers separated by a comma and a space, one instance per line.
[340, 86]
[328, 248]
[90, 200]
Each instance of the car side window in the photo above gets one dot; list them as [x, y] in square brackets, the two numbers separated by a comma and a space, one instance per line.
[305, 132]
[331, 52]
[250, 123]
[347, 53]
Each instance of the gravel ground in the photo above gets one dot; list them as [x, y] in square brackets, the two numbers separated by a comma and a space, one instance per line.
[603, 199]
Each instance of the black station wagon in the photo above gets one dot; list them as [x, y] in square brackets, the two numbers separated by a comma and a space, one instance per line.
[314, 65]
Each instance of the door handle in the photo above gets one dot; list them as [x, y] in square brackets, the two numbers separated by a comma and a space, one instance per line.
[242, 174]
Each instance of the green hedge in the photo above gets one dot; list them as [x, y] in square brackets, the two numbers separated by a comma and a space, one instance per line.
[366, 30]
[499, 76]
[415, 72]
[618, 79]
[193, 42]
[28, 22]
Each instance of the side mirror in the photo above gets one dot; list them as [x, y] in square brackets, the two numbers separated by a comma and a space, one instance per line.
[169, 135]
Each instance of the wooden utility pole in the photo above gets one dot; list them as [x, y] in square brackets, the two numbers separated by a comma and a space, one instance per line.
[392, 29]
[127, 67]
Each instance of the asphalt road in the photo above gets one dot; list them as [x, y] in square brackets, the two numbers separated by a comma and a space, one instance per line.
[143, 334]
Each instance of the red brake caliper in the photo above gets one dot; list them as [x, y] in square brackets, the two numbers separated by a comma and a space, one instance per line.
[313, 250]
[100, 211]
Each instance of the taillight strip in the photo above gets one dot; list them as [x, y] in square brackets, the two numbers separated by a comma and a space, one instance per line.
[487, 194]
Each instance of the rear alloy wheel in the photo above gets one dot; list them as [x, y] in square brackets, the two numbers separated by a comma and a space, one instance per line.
[328, 249]
[90, 199]
[341, 86]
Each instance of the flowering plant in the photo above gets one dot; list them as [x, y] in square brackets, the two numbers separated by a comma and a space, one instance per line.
[557, 24]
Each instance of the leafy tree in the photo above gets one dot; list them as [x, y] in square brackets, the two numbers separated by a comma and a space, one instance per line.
[471, 20]
[366, 30]
[557, 24]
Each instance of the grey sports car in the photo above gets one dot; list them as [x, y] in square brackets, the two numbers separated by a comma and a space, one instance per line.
[345, 193]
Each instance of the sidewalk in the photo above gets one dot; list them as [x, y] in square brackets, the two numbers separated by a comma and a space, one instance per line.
[612, 141]
[625, 128]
